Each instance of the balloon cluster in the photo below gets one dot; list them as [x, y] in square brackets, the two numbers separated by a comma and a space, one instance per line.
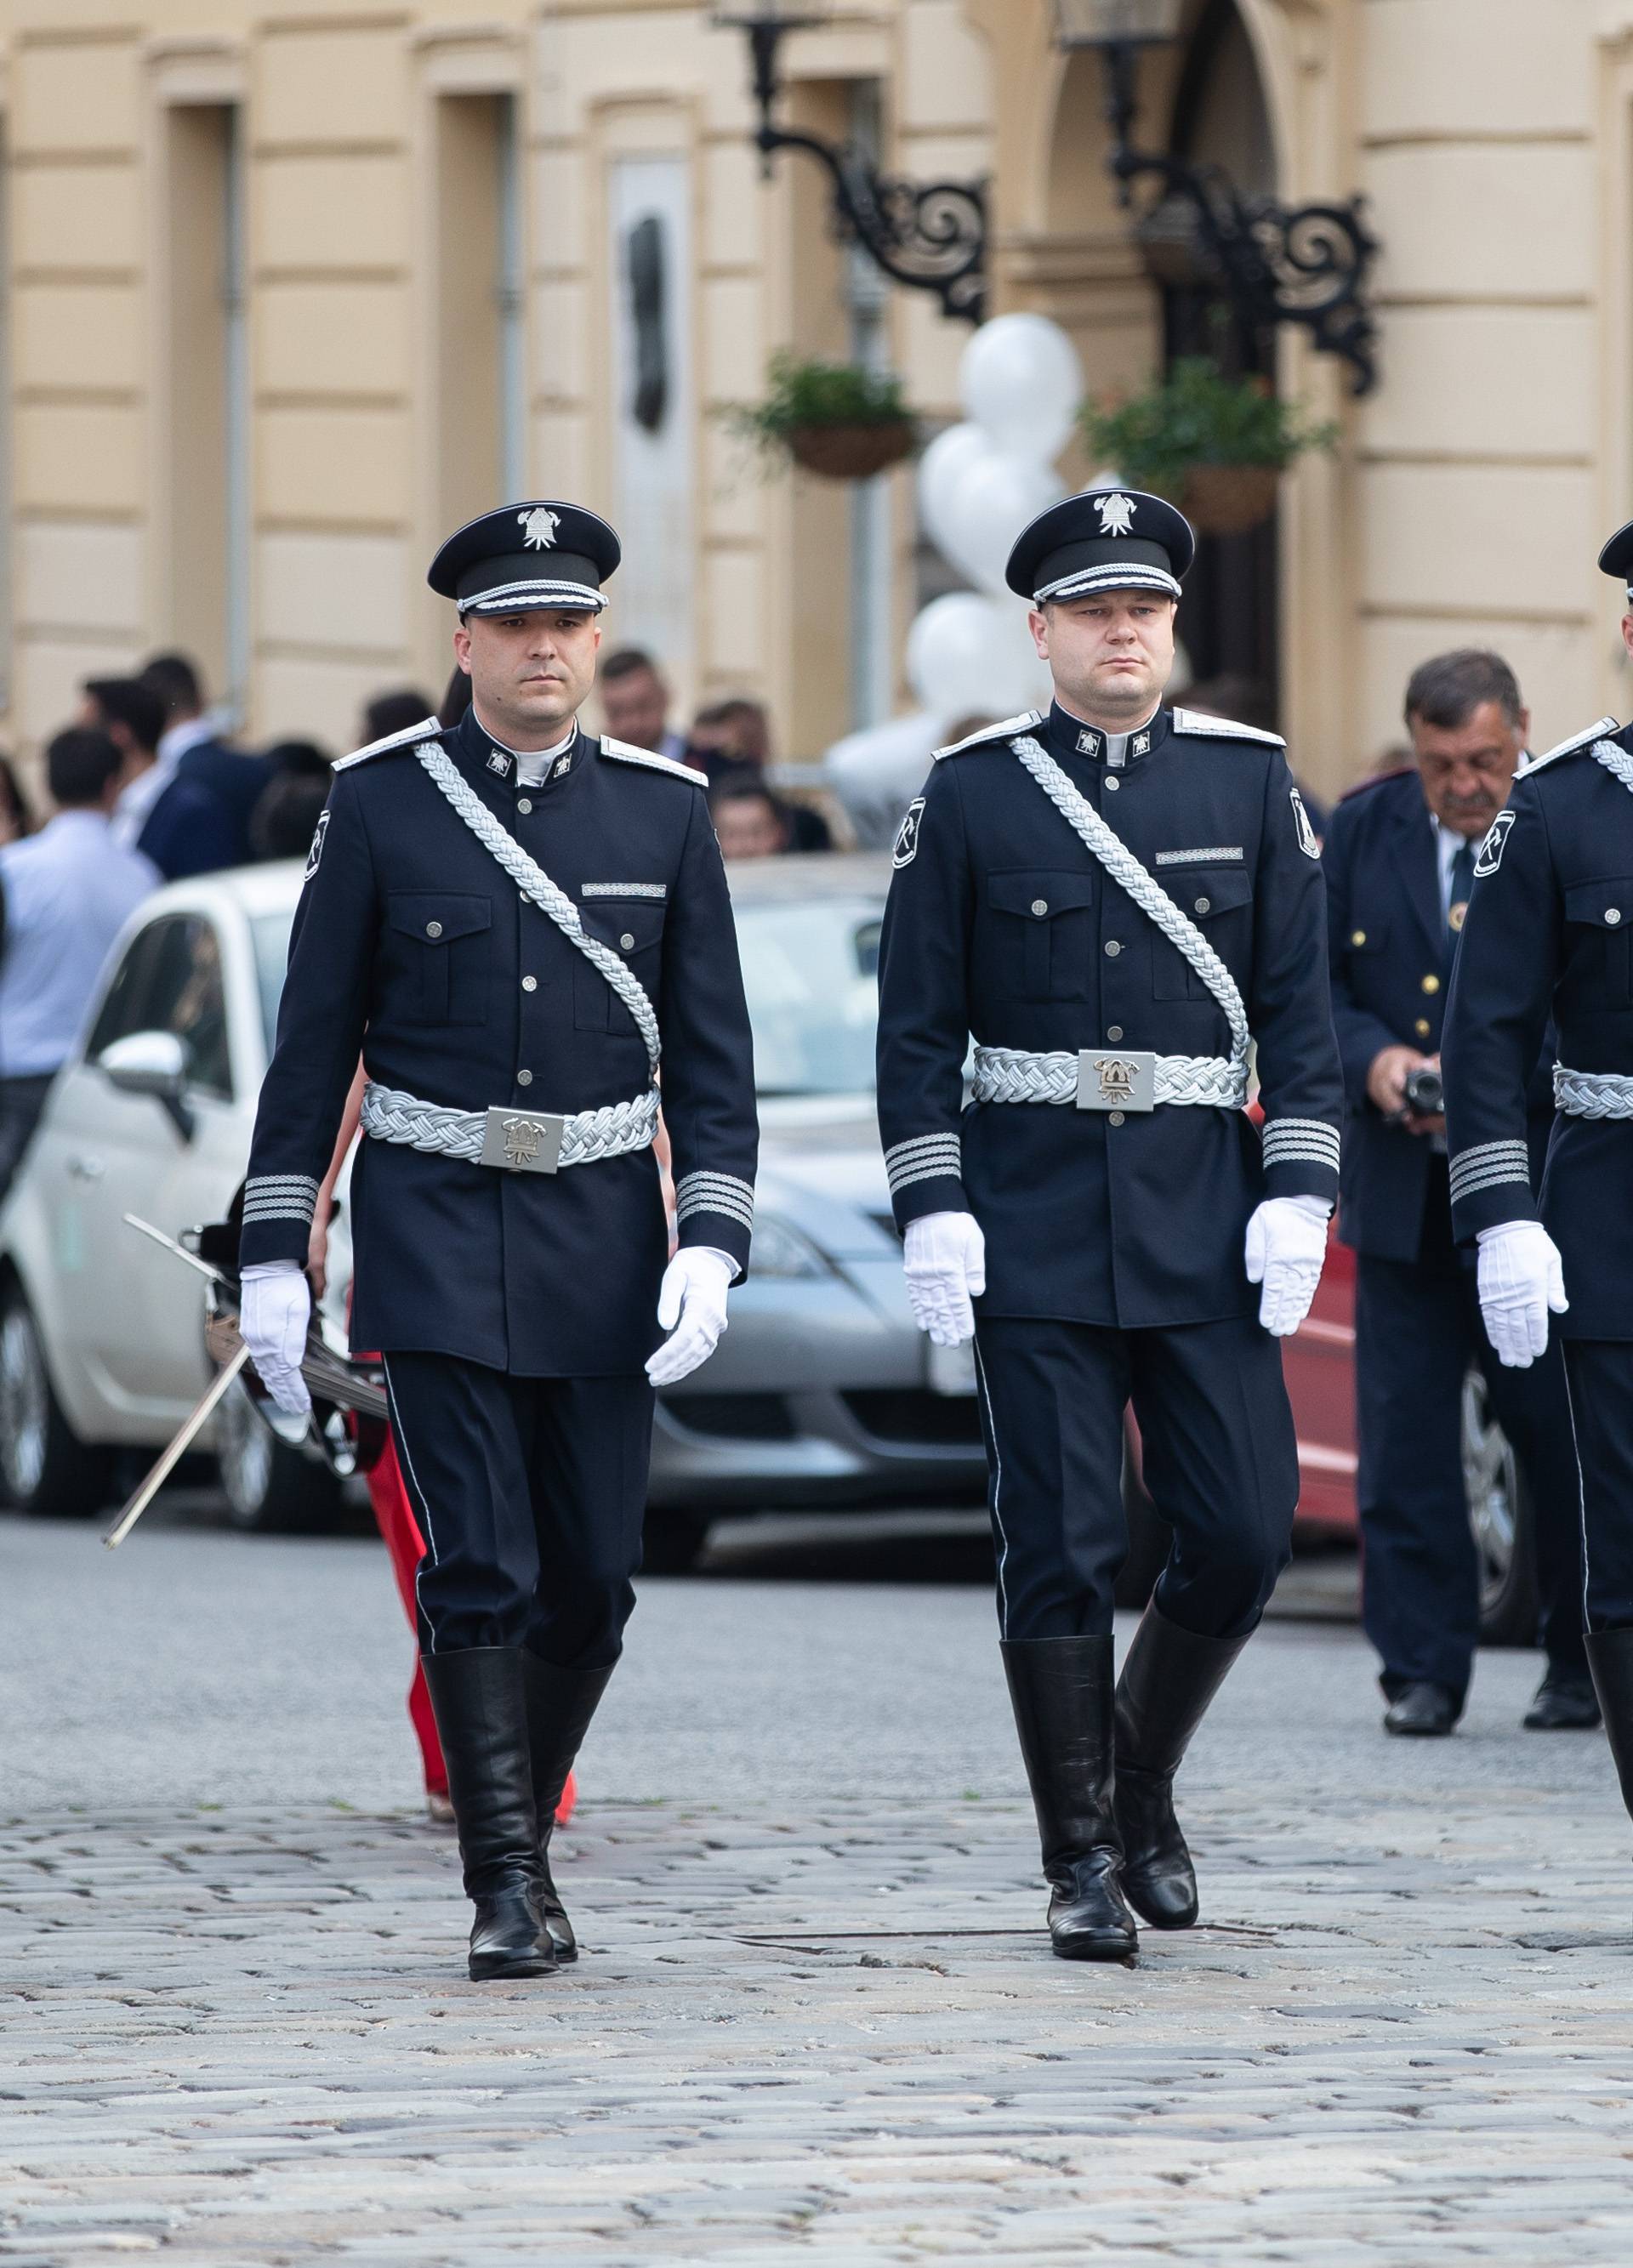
[979, 483]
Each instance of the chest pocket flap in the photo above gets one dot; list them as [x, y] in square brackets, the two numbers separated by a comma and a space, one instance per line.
[1207, 892]
[632, 927]
[1043, 942]
[447, 940]
[1607, 904]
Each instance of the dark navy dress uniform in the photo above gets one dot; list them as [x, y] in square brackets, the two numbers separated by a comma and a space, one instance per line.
[1114, 1240]
[1417, 1320]
[515, 1309]
[1548, 938]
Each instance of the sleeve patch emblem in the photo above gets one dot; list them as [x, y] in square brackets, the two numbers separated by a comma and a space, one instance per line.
[1307, 842]
[1491, 850]
[316, 851]
[907, 836]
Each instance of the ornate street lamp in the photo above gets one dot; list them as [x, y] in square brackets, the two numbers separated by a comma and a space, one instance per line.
[931, 236]
[1305, 264]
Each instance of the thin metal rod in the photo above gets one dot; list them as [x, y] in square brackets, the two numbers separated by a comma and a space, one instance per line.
[174, 1454]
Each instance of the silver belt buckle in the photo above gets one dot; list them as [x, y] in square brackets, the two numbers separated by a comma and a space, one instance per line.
[523, 1141]
[1116, 1080]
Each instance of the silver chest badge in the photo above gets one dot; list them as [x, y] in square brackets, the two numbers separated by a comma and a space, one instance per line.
[538, 527]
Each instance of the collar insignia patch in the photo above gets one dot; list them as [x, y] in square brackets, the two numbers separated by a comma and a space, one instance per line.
[1141, 745]
[564, 765]
[538, 527]
[498, 763]
[1088, 743]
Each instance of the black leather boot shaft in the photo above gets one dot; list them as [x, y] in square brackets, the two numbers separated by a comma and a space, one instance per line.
[1170, 1677]
[559, 1704]
[1061, 1690]
[1610, 1658]
[478, 1698]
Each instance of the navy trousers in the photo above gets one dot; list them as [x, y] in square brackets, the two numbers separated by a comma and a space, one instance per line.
[1418, 1331]
[530, 1494]
[1221, 1462]
[1600, 1376]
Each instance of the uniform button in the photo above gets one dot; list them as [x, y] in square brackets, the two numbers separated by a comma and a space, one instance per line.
[523, 805]
[524, 1078]
[529, 983]
[1111, 786]
[1117, 1118]
[1357, 936]
[1613, 916]
[1040, 905]
[1204, 905]
[433, 929]
[1423, 1027]
[1113, 948]
[1431, 984]
[1113, 1031]
[627, 942]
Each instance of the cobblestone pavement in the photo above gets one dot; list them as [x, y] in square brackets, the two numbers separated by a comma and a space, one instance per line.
[828, 2036]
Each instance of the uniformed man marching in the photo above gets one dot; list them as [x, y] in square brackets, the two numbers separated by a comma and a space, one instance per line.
[1115, 900]
[514, 922]
[1549, 932]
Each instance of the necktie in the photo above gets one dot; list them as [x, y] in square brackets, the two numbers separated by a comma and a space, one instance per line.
[1462, 883]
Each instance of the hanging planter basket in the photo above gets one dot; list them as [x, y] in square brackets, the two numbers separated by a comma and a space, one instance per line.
[1229, 499]
[851, 453]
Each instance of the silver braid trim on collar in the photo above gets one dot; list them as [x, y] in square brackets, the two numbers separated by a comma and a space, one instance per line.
[536, 885]
[1147, 893]
[1594, 1093]
[1016, 1075]
[588, 1136]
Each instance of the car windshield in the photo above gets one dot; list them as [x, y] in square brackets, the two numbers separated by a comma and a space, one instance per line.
[811, 973]
[270, 932]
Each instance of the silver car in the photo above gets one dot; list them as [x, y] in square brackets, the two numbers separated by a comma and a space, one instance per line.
[822, 1394]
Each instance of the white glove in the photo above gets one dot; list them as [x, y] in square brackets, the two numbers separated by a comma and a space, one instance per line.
[273, 1316]
[691, 1308]
[1521, 1277]
[1286, 1246]
[945, 1269]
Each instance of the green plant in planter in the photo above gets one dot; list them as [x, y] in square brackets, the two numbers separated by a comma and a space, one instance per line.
[835, 418]
[1212, 445]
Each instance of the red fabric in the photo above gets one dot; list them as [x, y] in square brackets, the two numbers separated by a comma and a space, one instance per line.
[399, 1530]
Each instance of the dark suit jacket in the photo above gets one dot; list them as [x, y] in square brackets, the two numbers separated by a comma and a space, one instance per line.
[235, 780]
[1387, 939]
[190, 831]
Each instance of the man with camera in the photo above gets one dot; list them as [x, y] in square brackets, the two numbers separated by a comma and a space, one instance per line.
[1400, 865]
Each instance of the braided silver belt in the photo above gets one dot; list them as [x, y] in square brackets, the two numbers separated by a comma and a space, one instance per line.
[1108, 1078]
[1592, 1093]
[517, 1141]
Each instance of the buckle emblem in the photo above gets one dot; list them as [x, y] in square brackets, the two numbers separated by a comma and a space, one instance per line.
[523, 1142]
[1116, 1082]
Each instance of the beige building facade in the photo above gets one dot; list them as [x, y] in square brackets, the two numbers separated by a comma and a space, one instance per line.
[291, 290]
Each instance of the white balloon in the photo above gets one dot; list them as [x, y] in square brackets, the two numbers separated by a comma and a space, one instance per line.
[1021, 382]
[951, 457]
[876, 772]
[993, 502]
[973, 656]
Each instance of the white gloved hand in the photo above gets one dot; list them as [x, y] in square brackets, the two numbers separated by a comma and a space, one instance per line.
[1286, 1246]
[691, 1308]
[1521, 1277]
[945, 1269]
[273, 1316]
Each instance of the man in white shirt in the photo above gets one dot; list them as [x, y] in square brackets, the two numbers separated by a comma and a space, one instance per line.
[65, 893]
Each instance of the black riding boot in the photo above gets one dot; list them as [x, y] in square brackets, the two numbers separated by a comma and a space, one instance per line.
[477, 1695]
[560, 1703]
[1610, 1658]
[1170, 1676]
[1060, 1688]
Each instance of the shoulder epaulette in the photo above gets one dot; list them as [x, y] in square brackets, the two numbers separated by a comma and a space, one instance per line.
[1221, 728]
[429, 728]
[1377, 779]
[1024, 723]
[1605, 724]
[625, 754]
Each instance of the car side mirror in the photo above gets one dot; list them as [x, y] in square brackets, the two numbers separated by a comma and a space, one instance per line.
[155, 1064]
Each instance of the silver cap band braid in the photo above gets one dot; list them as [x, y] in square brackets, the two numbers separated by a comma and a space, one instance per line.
[1145, 891]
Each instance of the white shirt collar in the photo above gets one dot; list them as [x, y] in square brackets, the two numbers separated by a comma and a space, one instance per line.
[191, 732]
[533, 765]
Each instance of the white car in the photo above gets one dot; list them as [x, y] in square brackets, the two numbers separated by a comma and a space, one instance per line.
[822, 1394]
